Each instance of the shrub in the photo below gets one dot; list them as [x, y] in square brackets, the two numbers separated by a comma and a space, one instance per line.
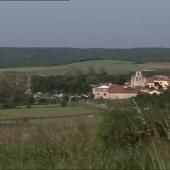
[8, 105]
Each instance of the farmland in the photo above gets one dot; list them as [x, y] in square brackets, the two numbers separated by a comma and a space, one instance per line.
[46, 113]
[111, 66]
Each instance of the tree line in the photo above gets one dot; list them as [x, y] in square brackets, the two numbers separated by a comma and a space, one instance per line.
[21, 57]
[74, 84]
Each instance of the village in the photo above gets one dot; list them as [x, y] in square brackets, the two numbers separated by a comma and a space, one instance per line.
[138, 84]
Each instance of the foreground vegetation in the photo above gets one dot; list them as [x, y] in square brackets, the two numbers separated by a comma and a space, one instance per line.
[130, 134]
[83, 133]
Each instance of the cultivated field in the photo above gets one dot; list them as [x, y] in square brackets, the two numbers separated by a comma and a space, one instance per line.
[156, 66]
[111, 66]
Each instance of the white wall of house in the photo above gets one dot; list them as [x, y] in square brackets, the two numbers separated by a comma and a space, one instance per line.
[150, 85]
[103, 95]
[163, 83]
[122, 95]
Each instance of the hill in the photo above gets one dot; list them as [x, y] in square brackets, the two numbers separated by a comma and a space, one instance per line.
[24, 57]
[113, 67]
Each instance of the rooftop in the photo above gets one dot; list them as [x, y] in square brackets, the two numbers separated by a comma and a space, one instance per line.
[119, 89]
[157, 78]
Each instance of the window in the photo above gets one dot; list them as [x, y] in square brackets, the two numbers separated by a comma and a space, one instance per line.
[98, 94]
[104, 94]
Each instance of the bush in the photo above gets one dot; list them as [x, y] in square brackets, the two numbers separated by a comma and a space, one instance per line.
[43, 101]
[28, 106]
[8, 105]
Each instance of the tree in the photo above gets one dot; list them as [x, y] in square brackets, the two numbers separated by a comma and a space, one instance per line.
[12, 85]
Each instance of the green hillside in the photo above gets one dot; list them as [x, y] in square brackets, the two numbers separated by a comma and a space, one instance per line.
[111, 66]
[21, 57]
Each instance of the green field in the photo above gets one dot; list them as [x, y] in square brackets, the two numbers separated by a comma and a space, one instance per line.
[111, 66]
[156, 66]
[46, 113]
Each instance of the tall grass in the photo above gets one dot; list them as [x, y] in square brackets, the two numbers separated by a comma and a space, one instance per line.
[119, 141]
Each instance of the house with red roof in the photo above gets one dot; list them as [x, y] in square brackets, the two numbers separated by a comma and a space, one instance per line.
[114, 91]
[158, 80]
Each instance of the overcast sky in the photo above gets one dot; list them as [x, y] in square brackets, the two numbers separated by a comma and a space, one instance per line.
[86, 23]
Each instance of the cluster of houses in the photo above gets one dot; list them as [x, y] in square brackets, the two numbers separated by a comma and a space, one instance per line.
[138, 84]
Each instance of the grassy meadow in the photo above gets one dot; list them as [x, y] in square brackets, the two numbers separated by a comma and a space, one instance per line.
[46, 113]
[111, 66]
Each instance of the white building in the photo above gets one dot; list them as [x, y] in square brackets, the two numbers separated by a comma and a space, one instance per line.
[114, 91]
[101, 92]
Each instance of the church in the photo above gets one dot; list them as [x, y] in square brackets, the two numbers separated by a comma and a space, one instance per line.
[137, 80]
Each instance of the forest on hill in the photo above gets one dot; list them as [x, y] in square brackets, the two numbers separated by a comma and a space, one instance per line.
[21, 57]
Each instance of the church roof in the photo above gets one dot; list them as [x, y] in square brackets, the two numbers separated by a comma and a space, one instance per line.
[119, 89]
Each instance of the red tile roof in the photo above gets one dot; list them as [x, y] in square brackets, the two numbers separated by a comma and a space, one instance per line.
[119, 89]
[150, 80]
[161, 78]
[157, 78]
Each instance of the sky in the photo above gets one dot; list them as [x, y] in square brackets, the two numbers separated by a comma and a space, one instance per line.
[85, 24]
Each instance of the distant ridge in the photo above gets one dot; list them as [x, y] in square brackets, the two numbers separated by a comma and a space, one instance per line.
[41, 56]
